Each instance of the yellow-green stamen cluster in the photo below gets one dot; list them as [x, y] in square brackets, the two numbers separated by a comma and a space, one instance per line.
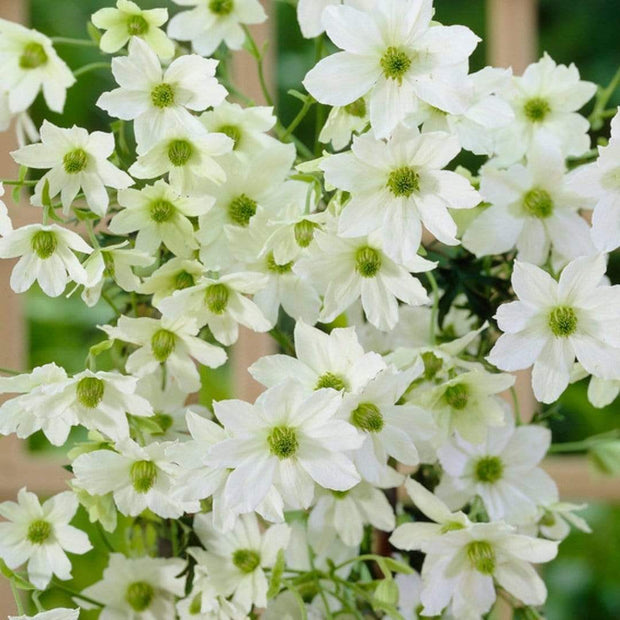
[33, 56]
[538, 203]
[276, 268]
[395, 63]
[563, 321]
[216, 298]
[331, 380]
[183, 279]
[39, 532]
[233, 132]
[44, 243]
[140, 595]
[137, 25]
[403, 182]
[481, 556]
[180, 152]
[143, 475]
[357, 108]
[90, 391]
[304, 233]
[246, 560]
[75, 161]
[367, 417]
[283, 442]
[242, 209]
[221, 7]
[162, 96]
[162, 211]
[457, 396]
[163, 343]
[367, 262]
[489, 469]
[536, 109]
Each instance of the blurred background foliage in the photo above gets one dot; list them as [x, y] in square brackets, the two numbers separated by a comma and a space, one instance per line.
[585, 580]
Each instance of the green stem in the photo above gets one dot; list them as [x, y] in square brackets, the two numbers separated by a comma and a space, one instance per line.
[515, 401]
[604, 95]
[69, 41]
[76, 594]
[110, 303]
[11, 182]
[585, 444]
[297, 120]
[18, 600]
[8, 371]
[104, 537]
[93, 66]
[259, 62]
[283, 340]
[435, 310]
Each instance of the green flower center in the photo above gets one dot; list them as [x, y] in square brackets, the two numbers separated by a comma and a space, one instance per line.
[233, 132]
[457, 396]
[44, 243]
[395, 63]
[432, 364]
[137, 25]
[331, 380]
[75, 161]
[39, 531]
[536, 109]
[563, 321]
[304, 233]
[143, 475]
[481, 555]
[216, 298]
[403, 182]
[367, 417]
[183, 280]
[246, 560]
[367, 262]
[164, 421]
[221, 7]
[162, 96]
[90, 392]
[33, 56]
[180, 152]
[489, 469]
[163, 343]
[162, 211]
[283, 442]
[538, 203]
[140, 595]
[242, 209]
[357, 108]
[548, 519]
[276, 268]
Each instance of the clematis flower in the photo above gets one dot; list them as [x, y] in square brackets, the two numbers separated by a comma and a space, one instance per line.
[174, 275]
[343, 122]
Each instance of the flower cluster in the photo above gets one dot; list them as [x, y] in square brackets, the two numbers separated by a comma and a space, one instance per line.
[211, 215]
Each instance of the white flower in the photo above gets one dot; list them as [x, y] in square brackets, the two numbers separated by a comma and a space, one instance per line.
[210, 23]
[545, 101]
[139, 478]
[409, 591]
[140, 588]
[558, 517]
[603, 392]
[600, 182]
[334, 360]
[344, 514]
[289, 439]
[158, 100]
[394, 56]
[160, 215]
[46, 255]
[203, 601]
[554, 322]
[40, 535]
[61, 613]
[343, 122]
[187, 157]
[345, 270]
[171, 342]
[30, 63]
[221, 304]
[502, 471]
[174, 275]
[532, 208]
[395, 187]
[78, 161]
[309, 13]
[128, 20]
[235, 561]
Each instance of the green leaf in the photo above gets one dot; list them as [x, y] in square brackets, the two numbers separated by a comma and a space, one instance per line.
[275, 583]
[18, 581]
[84, 215]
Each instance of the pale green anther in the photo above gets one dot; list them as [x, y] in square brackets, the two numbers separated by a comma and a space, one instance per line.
[538, 203]
[33, 56]
[216, 298]
[162, 96]
[140, 595]
[275, 267]
[331, 380]
[180, 152]
[44, 243]
[162, 211]
[242, 209]
[90, 391]
[395, 63]
[75, 161]
[246, 560]
[163, 343]
[39, 531]
[233, 132]
[563, 321]
[137, 25]
[367, 417]
[143, 475]
[367, 262]
[536, 109]
[481, 556]
[357, 108]
[283, 442]
[457, 396]
[403, 182]
[304, 233]
[183, 280]
[221, 7]
[489, 469]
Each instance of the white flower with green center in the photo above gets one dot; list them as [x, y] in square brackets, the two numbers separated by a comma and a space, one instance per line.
[345, 514]
[139, 588]
[77, 160]
[212, 22]
[173, 343]
[398, 186]
[343, 122]
[345, 270]
[128, 20]
[394, 56]
[289, 440]
[187, 157]
[236, 560]
[335, 360]
[46, 255]
[29, 64]
[600, 182]
[174, 275]
[531, 208]
[545, 101]
[503, 472]
[61, 613]
[221, 303]
[556, 519]
[160, 215]
[41, 535]
[156, 99]
[552, 323]
[138, 478]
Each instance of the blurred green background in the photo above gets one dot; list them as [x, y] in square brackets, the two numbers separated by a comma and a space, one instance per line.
[585, 580]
